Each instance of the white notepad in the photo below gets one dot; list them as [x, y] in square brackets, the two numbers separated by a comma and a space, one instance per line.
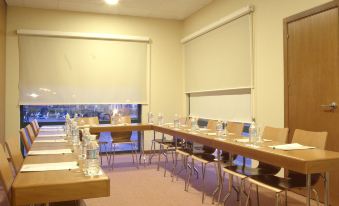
[50, 152]
[49, 166]
[293, 146]
[50, 140]
[53, 127]
[246, 140]
[52, 135]
[51, 130]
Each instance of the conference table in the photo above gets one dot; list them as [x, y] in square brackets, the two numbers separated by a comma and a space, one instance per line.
[69, 185]
[308, 162]
[59, 185]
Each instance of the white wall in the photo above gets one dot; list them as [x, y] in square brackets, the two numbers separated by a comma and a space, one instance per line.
[166, 57]
[268, 47]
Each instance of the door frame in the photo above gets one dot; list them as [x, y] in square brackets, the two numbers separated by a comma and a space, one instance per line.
[286, 21]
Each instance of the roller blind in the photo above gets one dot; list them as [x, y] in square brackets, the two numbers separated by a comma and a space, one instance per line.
[56, 70]
[219, 59]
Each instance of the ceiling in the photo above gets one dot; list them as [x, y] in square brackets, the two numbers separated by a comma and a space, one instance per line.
[168, 9]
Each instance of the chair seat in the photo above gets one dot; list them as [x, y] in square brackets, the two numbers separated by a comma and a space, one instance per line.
[205, 157]
[249, 171]
[184, 151]
[294, 181]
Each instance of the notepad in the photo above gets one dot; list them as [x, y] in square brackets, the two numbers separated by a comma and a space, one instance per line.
[49, 166]
[51, 130]
[52, 135]
[246, 140]
[53, 127]
[211, 133]
[293, 146]
[50, 152]
[51, 140]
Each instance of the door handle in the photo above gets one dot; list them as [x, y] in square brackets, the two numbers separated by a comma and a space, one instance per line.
[331, 106]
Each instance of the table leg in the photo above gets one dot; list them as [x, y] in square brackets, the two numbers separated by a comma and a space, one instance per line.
[327, 189]
[219, 175]
[142, 151]
[308, 186]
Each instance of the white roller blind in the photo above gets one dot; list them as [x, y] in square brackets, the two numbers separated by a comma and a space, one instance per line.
[219, 59]
[228, 107]
[56, 70]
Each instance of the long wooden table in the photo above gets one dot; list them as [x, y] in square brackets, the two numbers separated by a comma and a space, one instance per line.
[55, 186]
[304, 161]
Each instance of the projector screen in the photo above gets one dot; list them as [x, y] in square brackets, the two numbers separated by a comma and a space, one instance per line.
[56, 70]
[219, 59]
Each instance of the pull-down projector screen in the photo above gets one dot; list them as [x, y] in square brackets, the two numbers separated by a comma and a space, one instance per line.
[57, 70]
[219, 59]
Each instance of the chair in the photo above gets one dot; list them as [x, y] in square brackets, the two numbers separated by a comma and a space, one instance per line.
[6, 175]
[24, 139]
[30, 132]
[242, 171]
[294, 179]
[166, 146]
[124, 138]
[13, 148]
[35, 127]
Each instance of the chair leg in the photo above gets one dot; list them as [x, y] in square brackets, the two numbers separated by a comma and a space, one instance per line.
[166, 161]
[230, 188]
[258, 200]
[132, 152]
[249, 195]
[160, 151]
[203, 181]
[189, 175]
[277, 198]
[136, 154]
[113, 156]
[174, 165]
[316, 196]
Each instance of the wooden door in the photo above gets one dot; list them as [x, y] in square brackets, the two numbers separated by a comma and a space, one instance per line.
[312, 77]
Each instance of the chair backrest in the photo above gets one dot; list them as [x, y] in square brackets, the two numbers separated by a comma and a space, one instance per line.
[235, 128]
[6, 175]
[212, 125]
[13, 148]
[122, 136]
[34, 126]
[24, 139]
[314, 139]
[275, 134]
[87, 121]
[30, 132]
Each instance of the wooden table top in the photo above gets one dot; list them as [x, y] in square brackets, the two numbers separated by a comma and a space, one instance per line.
[303, 161]
[53, 186]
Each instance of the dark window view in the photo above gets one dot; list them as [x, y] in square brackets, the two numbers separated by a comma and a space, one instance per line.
[56, 114]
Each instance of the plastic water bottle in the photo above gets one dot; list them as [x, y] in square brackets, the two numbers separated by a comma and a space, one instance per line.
[219, 128]
[75, 133]
[253, 132]
[150, 118]
[68, 126]
[92, 157]
[160, 119]
[176, 121]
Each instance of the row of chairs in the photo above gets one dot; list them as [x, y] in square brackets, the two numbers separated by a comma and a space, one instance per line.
[264, 175]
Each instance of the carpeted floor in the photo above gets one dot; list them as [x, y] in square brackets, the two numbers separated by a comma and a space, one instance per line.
[148, 187]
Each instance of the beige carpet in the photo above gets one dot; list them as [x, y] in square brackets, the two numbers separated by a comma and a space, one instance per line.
[148, 187]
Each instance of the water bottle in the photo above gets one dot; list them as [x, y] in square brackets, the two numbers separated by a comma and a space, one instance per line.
[253, 132]
[150, 118]
[92, 157]
[75, 133]
[219, 128]
[176, 121]
[194, 124]
[160, 119]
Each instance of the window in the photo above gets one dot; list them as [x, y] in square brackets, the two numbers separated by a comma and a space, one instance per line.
[56, 114]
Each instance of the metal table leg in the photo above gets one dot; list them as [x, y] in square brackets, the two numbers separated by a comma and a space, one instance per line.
[142, 151]
[308, 187]
[327, 189]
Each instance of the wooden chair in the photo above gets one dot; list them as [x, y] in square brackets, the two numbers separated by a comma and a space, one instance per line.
[124, 138]
[6, 175]
[242, 171]
[13, 148]
[24, 139]
[294, 179]
[30, 132]
[35, 127]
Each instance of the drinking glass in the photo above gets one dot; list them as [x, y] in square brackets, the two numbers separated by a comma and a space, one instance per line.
[160, 119]
[219, 128]
[176, 121]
